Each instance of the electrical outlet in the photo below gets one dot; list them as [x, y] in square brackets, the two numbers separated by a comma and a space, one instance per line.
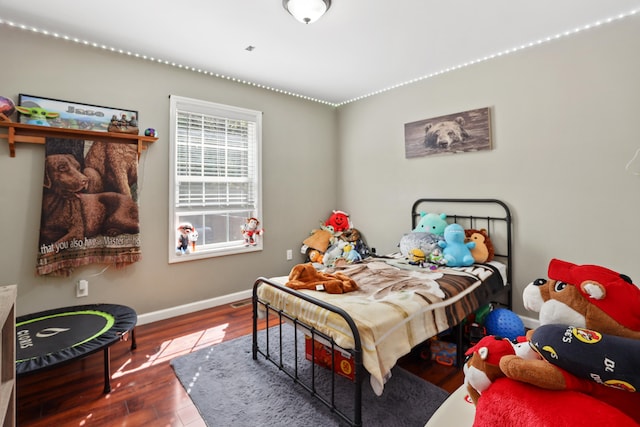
[82, 288]
[289, 254]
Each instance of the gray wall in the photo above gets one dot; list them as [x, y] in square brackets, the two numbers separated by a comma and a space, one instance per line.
[564, 122]
[297, 137]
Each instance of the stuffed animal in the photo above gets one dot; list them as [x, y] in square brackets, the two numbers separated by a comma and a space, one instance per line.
[186, 241]
[416, 257]
[431, 223]
[306, 276]
[588, 342]
[483, 366]
[338, 221]
[333, 253]
[483, 251]
[320, 240]
[455, 251]
[250, 231]
[350, 254]
[425, 241]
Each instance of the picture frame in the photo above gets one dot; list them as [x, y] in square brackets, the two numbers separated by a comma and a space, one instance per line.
[468, 131]
[40, 111]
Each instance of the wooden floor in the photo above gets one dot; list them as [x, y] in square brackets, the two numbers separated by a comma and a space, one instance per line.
[144, 389]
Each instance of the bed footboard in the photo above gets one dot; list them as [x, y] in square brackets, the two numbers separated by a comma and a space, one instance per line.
[276, 318]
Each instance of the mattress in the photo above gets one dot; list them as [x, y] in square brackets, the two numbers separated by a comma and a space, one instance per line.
[396, 307]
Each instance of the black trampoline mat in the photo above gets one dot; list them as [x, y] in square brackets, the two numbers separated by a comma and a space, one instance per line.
[55, 336]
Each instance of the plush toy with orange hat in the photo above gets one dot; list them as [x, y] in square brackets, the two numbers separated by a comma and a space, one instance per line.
[584, 358]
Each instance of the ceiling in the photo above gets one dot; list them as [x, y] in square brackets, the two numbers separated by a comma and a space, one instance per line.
[358, 48]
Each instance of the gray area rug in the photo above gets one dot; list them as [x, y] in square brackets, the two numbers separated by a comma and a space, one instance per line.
[229, 388]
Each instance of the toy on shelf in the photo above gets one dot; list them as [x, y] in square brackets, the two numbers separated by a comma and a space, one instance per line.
[124, 124]
[7, 107]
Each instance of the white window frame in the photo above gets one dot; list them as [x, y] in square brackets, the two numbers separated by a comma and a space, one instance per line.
[221, 248]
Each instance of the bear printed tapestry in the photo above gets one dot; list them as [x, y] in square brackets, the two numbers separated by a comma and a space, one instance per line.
[454, 133]
[89, 206]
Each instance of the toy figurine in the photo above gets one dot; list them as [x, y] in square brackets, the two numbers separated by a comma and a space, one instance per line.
[250, 230]
[186, 239]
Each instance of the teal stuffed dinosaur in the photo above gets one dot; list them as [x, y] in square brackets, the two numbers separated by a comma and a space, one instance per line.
[456, 252]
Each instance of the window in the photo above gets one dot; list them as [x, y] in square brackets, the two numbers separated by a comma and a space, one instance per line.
[215, 180]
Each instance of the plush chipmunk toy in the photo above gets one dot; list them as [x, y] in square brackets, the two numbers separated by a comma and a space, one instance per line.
[587, 351]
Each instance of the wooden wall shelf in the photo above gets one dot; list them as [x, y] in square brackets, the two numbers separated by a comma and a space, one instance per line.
[21, 132]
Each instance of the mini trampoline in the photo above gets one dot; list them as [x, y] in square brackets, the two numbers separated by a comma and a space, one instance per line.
[53, 337]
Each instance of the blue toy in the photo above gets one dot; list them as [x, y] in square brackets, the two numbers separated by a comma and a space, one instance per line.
[504, 323]
[456, 252]
[431, 223]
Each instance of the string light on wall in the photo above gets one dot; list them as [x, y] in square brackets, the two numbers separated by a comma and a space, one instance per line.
[327, 3]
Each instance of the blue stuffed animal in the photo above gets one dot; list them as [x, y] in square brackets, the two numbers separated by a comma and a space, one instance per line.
[456, 252]
[431, 223]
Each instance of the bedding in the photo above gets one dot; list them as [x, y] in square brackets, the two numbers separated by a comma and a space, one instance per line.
[396, 306]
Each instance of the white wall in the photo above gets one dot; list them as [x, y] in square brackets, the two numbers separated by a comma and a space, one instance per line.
[299, 144]
[564, 119]
[564, 122]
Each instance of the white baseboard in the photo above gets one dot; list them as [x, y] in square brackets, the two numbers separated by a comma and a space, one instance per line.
[168, 313]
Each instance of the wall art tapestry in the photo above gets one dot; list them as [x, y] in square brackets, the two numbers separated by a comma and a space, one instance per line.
[453, 133]
[35, 110]
[89, 206]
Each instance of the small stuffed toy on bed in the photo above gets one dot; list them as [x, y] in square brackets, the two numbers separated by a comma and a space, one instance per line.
[483, 251]
[431, 223]
[456, 252]
[306, 276]
[424, 241]
[338, 221]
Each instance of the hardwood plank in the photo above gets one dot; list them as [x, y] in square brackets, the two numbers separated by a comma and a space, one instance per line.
[145, 390]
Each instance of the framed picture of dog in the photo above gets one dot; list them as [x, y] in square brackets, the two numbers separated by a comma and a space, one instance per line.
[36, 110]
[454, 133]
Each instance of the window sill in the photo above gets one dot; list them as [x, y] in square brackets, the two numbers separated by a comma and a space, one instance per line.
[213, 253]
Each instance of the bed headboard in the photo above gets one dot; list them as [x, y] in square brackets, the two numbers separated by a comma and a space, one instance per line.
[491, 214]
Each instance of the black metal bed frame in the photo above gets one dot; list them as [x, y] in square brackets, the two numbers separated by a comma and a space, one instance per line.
[488, 222]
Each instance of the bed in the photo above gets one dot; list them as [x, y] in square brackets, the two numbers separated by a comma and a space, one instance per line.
[397, 307]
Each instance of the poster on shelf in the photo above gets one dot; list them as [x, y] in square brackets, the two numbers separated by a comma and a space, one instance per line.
[36, 110]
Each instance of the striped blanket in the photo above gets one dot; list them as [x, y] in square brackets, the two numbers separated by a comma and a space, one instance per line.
[89, 206]
[394, 308]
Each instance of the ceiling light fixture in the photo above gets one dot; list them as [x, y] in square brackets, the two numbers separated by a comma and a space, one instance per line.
[306, 11]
